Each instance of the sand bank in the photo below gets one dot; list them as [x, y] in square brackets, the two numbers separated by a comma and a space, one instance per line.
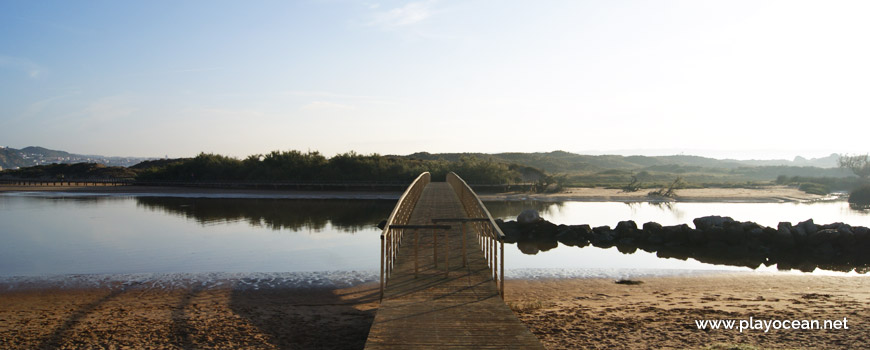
[771, 194]
[563, 313]
[661, 312]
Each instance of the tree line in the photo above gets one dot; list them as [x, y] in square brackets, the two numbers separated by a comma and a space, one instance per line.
[312, 166]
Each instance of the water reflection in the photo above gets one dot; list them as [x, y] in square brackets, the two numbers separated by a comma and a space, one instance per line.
[109, 235]
[860, 207]
[725, 249]
[510, 209]
[293, 214]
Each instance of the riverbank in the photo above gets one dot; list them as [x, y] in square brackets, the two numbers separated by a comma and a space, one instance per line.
[771, 194]
[562, 313]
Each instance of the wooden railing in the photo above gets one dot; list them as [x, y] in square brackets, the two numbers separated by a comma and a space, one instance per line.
[489, 235]
[391, 236]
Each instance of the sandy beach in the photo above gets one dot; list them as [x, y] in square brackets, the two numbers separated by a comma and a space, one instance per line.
[563, 314]
[598, 194]
[660, 312]
[754, 195]
[187, 318]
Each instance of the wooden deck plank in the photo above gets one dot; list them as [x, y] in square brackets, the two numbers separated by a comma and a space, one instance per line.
[457, 310]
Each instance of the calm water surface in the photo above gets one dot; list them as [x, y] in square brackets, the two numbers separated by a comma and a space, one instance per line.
[113, 235]
[610, 213]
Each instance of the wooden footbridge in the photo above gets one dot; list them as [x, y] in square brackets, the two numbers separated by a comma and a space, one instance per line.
[442, 274]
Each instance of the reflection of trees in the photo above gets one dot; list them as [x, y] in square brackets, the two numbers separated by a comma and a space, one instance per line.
[295, 214]
[510, 209]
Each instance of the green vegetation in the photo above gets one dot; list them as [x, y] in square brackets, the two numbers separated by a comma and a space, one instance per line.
[549, 172]
[814, 188]
[860, 196]
[669, 191]
[858, 164]
[830, 184]
[294, 166]
[632, 186]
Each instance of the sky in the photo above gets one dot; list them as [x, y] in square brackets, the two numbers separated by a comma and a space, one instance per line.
[730, 79]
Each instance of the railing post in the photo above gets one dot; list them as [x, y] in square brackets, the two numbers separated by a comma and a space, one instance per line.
[435, 246]
[446, 253]
[416, 262]
[382, 266]
[464, 255]
[501, 267]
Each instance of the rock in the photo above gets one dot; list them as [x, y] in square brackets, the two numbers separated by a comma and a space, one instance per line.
[676, 234]
[799, 233]
[653, 227]
[529, 216]
[583, 231]
[511, 231]
[833, 226]
[626, 248]
[861, 233]
[706, 222]
[845, 229]
[734, 232]
[696, 237]
[783, 234]
[809, 227]
[715, 233]
[566, 235]
[602, 236]
[823, 236]
[542, 230]
[528, 247]
[626, 228]
[754, 233]
[654, 233]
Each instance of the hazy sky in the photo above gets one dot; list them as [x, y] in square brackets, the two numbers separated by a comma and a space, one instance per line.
[152, 78]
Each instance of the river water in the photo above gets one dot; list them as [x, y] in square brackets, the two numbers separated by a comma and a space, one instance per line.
[51, 234]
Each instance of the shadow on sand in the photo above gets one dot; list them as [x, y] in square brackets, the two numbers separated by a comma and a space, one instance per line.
[309, 318]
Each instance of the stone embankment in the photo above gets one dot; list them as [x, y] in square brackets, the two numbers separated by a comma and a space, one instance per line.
[714, 239]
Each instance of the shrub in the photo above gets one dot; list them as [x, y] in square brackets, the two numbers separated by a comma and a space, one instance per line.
[814, 188]
[860, 196]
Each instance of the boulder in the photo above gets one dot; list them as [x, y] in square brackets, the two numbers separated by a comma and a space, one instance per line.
[626, 228]
[529, 216]
[566, 235]
[654, 233]
[528, 247]
[809, 227]
[783, 234]
[583, 231]
[510, 229]
[861, 233]
[603, 237]
[706, 222]
[678, 234]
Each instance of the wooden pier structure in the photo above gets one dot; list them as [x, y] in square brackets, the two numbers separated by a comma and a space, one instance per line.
[442, 274]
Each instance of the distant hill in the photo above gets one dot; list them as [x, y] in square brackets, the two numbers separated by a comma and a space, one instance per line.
[45, 152]
[566, 162]
[11, 158]
[823, 162]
